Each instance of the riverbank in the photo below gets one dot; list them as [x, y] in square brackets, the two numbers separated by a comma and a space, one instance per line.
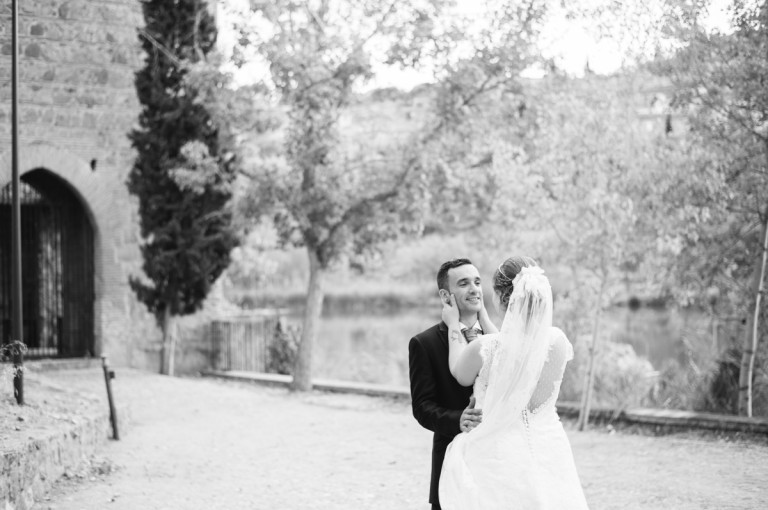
[339, 304]
[641, 420]
[647, 358]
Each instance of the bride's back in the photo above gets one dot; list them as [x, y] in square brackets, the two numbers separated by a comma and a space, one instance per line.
[548, 385]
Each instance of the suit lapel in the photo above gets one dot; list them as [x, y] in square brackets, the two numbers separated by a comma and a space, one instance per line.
[442, 333]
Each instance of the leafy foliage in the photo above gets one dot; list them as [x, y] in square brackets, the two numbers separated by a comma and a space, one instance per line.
[281, 350]
[720, 81]
[727, 105]
[623, 380]
[10, 350]
[184, 166]
[356, 191]
[342, 193]
[582, 182]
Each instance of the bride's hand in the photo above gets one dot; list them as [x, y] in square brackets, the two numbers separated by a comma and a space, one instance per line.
[450, 313]
[485, 320]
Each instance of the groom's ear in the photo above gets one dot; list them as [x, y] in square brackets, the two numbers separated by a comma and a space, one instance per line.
[445, 296]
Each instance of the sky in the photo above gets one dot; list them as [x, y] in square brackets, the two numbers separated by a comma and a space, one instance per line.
[572, 45]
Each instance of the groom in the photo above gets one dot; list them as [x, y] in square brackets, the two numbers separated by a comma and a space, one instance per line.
[439, 403]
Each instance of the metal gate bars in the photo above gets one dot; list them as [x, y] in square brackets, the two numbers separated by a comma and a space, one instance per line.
[57, 264]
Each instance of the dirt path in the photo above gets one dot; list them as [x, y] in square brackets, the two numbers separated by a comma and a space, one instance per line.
[208, 444]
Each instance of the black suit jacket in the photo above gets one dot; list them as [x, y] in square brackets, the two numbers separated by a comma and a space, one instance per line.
[437, 399]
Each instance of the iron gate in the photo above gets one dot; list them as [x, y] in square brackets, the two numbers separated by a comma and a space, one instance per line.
[57, 268]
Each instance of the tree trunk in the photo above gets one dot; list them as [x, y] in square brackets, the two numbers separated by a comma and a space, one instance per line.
[752, 332]
[169, 343]
[302, 369]
[589, 377]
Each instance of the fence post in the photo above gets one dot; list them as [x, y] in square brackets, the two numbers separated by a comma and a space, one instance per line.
[108, 376]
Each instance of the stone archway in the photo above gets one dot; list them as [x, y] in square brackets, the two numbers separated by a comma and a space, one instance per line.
[57, 261]
[61, 179]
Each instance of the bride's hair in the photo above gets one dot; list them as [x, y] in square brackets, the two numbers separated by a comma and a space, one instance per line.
[505, 274]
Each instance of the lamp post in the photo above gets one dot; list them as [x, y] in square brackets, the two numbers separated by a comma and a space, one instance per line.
[17, 331]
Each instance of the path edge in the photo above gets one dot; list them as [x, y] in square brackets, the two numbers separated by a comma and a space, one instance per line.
[657, 420]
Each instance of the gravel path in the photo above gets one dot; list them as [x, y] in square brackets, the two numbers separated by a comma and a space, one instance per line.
[209, 444]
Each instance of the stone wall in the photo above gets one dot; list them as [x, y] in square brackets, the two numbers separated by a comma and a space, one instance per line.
[77, 103]
[60, 430]
[31, 470]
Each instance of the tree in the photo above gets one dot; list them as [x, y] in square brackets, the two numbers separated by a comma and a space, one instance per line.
[341, 193]
[720, 81]
[581, 186]
[183, 169]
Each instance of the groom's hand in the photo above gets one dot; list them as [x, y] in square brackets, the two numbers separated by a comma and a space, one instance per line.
[470, 417]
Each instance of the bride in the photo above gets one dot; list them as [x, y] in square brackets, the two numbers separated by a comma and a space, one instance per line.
[519, 456]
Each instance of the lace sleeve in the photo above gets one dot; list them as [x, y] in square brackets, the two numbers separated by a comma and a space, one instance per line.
[487, 350]
[560, 352]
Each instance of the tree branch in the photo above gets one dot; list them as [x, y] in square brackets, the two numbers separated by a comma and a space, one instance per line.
[361, 43]
[711, 104]
[361, 205]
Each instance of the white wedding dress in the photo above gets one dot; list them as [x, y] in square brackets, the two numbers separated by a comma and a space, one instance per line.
[519, 457]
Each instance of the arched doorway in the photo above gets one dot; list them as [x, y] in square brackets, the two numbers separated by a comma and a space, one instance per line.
[57, 268]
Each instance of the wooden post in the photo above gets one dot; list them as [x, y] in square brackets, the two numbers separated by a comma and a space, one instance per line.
[108, 376]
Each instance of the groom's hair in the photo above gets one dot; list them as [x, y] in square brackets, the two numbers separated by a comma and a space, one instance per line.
[442, 273]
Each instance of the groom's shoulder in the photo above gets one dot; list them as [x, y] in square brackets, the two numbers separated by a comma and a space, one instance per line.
[429, 334]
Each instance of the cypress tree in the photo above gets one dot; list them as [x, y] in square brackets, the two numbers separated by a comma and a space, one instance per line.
[187, 231]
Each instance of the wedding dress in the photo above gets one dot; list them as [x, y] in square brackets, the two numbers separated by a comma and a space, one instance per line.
[519, 457]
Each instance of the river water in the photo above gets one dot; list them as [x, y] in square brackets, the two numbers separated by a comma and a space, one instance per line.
[374, 347]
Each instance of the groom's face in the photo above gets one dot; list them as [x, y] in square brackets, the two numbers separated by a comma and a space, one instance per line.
[464, 284]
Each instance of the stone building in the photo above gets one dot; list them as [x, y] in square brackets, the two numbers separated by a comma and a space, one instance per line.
[80, 231]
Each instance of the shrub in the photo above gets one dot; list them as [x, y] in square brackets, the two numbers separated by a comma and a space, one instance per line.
[720, 391]
[711, 387]
[679, 386]
[622, 378]
[7, 371]
[281, 351]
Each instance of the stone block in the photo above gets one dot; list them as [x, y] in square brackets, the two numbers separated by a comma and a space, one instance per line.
[37, 29]
[32, 50]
